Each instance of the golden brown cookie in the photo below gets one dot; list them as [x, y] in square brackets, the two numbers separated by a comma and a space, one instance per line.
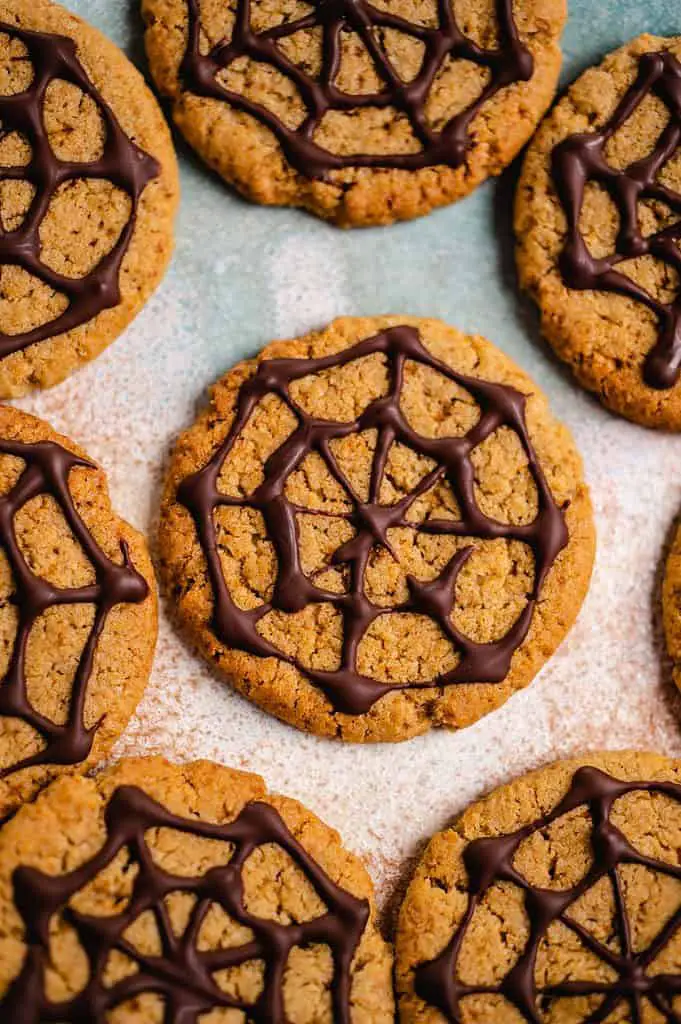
[77, 611]
[156, 892]
[377, 528]
[362, 113]
[88, 192]
[555, 900]
[598, 219]
[671, 606]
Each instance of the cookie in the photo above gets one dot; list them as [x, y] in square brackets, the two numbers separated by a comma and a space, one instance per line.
[598, 220]
[377, 528]
[158, 892]
[555, 900]
[671, 606]
[88, 192]
[362, 113]
[77, 611]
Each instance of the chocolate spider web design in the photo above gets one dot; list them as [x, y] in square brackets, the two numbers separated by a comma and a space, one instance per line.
[511, 63]
[122, 163]
[580, 159]
[500, 405]
[182, 975]
[47, 470]
[490, 860]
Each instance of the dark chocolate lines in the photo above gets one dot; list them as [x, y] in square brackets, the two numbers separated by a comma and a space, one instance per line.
[512, 62]
[580, 159]
[346, 688]
[47, 470]
[122, 163]
[489, 861]
[182, 976]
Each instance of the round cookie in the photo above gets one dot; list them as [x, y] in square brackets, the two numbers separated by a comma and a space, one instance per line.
[598, 220]
[362, 113]
[377, 528]
[88, 194]
[555, 900]
[77, 611]
[671, 606]
[194, 895]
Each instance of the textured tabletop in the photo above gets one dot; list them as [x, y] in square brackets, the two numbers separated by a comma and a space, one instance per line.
[243, 275]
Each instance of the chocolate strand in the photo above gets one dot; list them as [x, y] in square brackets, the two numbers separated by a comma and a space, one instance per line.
[489, 861]
[346, 688]
[183, 975]
[122, 163]
[47, 470]
[512, 62]
[581, 159]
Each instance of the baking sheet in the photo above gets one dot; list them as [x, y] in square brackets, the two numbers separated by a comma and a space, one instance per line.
[243, 275]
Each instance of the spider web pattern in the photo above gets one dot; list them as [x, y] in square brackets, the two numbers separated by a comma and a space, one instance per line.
[511, 62]
[46, 472]
[182, 975]
[580, 159]
[122, 163]
[346, 688]
[490, 861]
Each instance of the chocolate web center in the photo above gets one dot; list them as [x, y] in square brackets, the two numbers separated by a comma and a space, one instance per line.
[122, 163]
[47, 470]
[183, 974]
[491, 861]
[500, 406]
[580, 159]
[511, 62]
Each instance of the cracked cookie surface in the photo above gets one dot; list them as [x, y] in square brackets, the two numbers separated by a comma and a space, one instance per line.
[77, 611]
[88, 194]
[598, 221]
[377, 528]
[185, 893]
[364, 113]
[556, 899]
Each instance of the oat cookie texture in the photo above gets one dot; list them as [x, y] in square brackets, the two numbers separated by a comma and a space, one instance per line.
[88, 192]
[155, 892]
[77, 611]
[555, 900]
[362, 112]
[377, 528]
[598, 218]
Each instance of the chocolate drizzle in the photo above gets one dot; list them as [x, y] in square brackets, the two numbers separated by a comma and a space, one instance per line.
[122, 163]
[47, 470]
[501, 406]
[580, 159]
[183, 975]
[512, 62]
[489, 861]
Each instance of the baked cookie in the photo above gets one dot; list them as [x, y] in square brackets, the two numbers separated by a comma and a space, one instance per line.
[598, 220]
[555, 900]
[77, 611]
[364, 113]
[671, 606]
[88, 191]
[377, 528]
[158, 892]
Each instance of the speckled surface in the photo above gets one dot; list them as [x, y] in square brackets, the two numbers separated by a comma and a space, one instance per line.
[244, 275]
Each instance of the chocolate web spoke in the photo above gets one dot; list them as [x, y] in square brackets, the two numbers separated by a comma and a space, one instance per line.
[122, 163]
[491, 860]
[501, 406]
[182, 975]
[580, 159]
[512, 62]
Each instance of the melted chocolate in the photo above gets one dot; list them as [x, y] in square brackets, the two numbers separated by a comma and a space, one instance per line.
[491, 861]
[501, 406]
[182, 975]
[512, 62]
[580, 159]
[47, 470]
[122, 163]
